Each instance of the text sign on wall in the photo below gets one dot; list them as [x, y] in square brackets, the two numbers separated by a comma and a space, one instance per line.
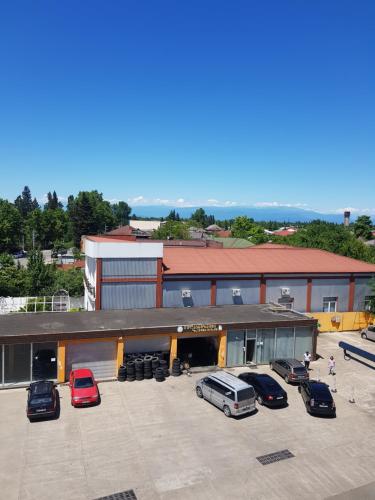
[200, 328]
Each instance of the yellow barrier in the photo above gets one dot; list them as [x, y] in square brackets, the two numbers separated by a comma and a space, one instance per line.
[342, 321]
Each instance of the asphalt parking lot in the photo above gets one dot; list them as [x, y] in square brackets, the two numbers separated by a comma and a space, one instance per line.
[161, 441]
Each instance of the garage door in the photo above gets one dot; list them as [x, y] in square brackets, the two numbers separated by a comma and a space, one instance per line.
[147, 345]
[100, 357]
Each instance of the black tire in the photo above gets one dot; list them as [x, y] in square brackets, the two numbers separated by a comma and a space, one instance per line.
[363, 335]
[227, 411]
[260, 400]
[130, 379]
[199, 392]
[271, 366]
[148, 376]
[286, 379]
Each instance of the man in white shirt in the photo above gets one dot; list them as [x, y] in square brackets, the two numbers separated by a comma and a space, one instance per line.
[307, 359]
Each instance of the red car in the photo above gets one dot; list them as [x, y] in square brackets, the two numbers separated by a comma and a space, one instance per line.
[83, 387]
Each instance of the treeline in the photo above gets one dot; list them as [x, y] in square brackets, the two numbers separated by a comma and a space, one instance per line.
[38, 278]
[27, 225]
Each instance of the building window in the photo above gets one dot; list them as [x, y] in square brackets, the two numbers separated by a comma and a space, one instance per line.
[369, 301]
[329, 304]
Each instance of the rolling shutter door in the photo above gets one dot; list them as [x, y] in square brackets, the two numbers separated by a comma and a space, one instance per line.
[147, 345]
[100, 357]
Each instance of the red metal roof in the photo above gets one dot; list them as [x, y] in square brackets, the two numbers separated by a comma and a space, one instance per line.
[267, 259]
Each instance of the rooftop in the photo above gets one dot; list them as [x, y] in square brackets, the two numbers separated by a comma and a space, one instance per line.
[29, 327]
[267, 259]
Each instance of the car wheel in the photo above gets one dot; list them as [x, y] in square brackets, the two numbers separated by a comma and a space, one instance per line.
[199, 392]
[226, 411]
[363, 335]
[286, 379]
[260, 400]
[271, 366]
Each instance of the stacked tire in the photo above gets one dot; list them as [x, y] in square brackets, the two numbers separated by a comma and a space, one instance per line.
[122, 374]
[147, 367]
[155, 362]
[159, 375]
[164, 366]
[130, 371]
[139, 375]
[176, 367]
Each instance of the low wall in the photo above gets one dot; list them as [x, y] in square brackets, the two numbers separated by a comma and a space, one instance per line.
[348, 321]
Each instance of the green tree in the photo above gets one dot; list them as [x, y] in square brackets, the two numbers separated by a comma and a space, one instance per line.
[173, 215]
[70, 280]
[174, 230]
[24, 202]
[39, 276]
[12, 278]
[53, 202]
[10, 226]
[242, 226]
[121, 212]
[363, 227]
[201, 219]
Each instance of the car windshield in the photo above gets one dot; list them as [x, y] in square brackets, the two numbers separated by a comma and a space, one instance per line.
[83, 383]
[244, 394]
[41, 400]
[299, 369]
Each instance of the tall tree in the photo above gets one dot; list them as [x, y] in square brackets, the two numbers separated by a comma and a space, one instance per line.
[363, 227]
[40, 277]
[10, 227]
[121, 212]
[200, 218]
[173, 215]
[53, 202]
[24, 203]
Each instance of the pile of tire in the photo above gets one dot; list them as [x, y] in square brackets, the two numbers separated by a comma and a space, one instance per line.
[176, 367]
[159, 375]
[164, 365]
[139, 374]
[154, 364]
[130, 371]
[122, 374]
[147, 367]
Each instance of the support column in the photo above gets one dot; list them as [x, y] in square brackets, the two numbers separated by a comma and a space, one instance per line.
[213, 292]
[222, 350]
[308, 295]
[159, 283]
[61, 348]
[120, 352]
[351, 293]
[173, 350]
[98, 285]
[263, 285]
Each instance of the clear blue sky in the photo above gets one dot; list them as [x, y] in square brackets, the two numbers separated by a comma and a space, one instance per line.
[243, 101]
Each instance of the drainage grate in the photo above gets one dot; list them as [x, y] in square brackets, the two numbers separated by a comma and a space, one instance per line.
[124, 495]
[275, 457]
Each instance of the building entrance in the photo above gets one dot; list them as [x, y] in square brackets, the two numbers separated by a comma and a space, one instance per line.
[198, 351]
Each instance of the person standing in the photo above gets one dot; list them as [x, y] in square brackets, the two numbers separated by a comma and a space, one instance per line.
[331, 366]
[307, 359]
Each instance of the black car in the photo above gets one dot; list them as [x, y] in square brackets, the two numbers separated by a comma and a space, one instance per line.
[317, 398]
[267, 390]
[42, 400]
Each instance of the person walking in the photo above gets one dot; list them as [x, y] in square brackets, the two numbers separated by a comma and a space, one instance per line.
[307, 359]
[331, 366]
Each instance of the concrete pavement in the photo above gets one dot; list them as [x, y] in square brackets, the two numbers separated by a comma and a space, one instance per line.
[163, 442]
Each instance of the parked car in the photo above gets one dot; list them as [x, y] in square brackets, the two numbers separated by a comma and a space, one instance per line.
[267, 390]
[83, 387]
[317, 398]
[42, 400]
[20, 254]
[291, 369]
[232, 395]
[368, 333]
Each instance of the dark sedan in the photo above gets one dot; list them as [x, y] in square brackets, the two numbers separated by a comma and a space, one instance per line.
[317, 398]
[42, 400]
[267, 390]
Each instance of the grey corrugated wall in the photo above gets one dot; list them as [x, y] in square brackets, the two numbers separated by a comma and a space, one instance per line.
[129, 267]
[128, 295]
[200, 291]
[362, 289]
[298, 290]
[329, 288]
[249, 292]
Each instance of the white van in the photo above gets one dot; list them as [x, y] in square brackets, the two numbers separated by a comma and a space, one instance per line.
[232, 395]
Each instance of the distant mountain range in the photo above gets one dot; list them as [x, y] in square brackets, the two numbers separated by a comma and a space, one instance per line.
[278, 214]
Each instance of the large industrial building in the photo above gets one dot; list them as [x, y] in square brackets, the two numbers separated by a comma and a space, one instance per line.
[211, 306]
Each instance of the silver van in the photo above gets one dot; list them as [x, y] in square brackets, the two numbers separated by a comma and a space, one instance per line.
[227, 392]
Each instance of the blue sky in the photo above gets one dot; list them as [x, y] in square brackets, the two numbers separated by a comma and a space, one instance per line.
[206, 101]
